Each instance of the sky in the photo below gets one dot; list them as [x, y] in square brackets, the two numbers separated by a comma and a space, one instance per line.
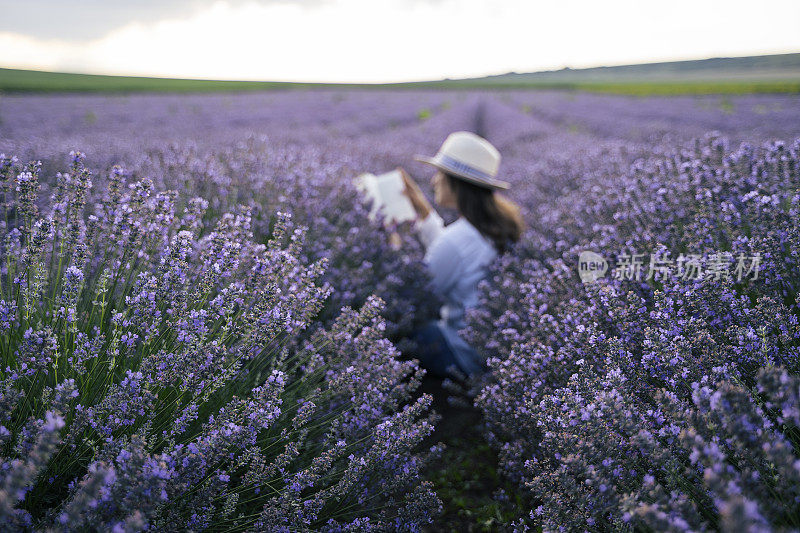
[368, 41]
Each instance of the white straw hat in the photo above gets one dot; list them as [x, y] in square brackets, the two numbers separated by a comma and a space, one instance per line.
[469, 157]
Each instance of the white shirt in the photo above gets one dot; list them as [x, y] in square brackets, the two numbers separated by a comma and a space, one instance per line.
[458, 257]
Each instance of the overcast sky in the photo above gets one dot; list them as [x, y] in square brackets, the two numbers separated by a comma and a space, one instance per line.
[381, 40]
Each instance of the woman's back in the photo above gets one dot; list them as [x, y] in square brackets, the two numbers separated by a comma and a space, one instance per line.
[458, 259]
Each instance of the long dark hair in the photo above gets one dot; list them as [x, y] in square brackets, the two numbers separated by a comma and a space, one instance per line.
[495, 216]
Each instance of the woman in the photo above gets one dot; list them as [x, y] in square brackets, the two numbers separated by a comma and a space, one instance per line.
[458, 255]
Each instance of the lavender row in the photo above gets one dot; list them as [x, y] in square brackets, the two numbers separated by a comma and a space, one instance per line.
[664, 404]
[176, 362]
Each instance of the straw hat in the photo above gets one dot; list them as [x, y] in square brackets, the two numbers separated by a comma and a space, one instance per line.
[469, 157]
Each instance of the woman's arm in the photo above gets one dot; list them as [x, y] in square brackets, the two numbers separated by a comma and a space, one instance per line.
[429, 224]
[429, 228]
[421, 204]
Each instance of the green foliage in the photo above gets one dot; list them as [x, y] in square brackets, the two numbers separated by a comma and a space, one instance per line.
[466, 480]
[726, 105]
[12, 80]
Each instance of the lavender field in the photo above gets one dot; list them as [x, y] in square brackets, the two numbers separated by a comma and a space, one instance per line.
[201, 329]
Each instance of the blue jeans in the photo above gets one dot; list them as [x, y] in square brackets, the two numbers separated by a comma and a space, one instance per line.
[437, 355]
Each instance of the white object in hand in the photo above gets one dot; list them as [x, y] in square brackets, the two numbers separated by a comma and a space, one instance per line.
[386, 192]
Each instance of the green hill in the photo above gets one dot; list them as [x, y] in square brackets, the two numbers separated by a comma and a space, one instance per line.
[729, 75]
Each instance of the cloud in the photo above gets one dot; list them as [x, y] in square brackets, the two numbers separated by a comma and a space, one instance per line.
[400, 40]
[85, 20]
[336, 40]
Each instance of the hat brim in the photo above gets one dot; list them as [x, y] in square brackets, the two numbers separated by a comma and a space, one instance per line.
[488, 183]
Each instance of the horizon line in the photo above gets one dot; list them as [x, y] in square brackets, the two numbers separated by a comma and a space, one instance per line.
[486, 75]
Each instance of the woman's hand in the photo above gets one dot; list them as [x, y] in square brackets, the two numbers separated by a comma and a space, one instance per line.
[395, 240]
[421, 204]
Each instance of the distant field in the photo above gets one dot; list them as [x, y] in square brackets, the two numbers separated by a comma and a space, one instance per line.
[637, 88]
[16, 81]
[762, 74]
